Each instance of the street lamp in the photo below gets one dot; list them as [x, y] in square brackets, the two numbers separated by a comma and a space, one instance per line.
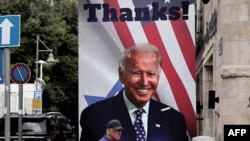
[39, 82]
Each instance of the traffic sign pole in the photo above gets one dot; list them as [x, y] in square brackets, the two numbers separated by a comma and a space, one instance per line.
[20, 117]
[1, 65]
[7, 92]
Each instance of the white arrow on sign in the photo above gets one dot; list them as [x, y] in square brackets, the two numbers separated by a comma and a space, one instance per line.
[6, 25]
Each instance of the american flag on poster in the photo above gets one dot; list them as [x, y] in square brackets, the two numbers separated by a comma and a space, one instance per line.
[106, 27]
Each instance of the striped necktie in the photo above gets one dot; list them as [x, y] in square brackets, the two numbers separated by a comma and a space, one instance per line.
[138, 126]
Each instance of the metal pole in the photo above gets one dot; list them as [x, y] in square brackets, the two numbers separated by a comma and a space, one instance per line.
[20, 117]
[7, 93]
[41, 70]
[37, 48]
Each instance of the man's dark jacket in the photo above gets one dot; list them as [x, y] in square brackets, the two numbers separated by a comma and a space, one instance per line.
[164, 122]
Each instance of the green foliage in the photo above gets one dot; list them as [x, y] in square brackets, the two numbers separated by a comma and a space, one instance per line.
[55, 21]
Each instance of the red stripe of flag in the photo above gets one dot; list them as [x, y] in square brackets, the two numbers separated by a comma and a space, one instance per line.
[121, 27]
[186, 43]
[180, 94]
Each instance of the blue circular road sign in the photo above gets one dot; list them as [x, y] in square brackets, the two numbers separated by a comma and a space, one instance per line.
[20, 73]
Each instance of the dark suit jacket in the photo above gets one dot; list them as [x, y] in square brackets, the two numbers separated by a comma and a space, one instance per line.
[166, 125]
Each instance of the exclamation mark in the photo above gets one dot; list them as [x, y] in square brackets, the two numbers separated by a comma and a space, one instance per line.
[185, 6]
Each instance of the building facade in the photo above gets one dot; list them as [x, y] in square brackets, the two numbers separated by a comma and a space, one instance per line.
[222, 65]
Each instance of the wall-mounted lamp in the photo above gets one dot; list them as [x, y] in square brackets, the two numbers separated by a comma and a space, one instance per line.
[248, 106]
[199, 106]
[212, 99]
[205, 1]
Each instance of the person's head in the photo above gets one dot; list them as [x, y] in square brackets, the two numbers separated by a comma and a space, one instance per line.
[114, 130]
[139, 71]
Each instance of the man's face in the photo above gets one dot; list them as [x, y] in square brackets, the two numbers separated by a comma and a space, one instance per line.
[114, 135]
[141, 77]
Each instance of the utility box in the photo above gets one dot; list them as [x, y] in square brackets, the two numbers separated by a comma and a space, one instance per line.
[203, 138]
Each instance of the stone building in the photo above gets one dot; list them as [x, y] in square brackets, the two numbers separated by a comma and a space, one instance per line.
[222, 65]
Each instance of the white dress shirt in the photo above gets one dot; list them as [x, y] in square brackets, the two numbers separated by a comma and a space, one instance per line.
[131, 110]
